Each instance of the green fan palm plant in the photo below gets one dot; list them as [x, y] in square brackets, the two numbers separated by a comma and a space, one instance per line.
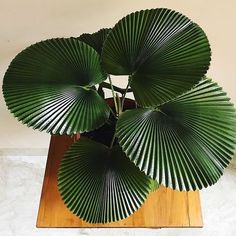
[181, 133]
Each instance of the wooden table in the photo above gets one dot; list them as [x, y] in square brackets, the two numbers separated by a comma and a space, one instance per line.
[163, 208]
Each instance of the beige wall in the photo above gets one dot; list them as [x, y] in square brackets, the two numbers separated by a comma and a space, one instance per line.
[24, 22]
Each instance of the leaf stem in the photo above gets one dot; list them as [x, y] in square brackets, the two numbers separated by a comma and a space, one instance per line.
[120, 104]
[113, 94]
[113, 140]
[113, 113]
[126, 90]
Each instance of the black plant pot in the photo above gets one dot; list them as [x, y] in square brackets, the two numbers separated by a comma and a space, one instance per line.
[105, 133]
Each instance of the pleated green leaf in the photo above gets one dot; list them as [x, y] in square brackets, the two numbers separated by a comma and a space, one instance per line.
[56, 61]
[49, 86]
[154, 185]
[186, 143]
[57, 109]
[99, 184]
[96, 39]
[165, 53]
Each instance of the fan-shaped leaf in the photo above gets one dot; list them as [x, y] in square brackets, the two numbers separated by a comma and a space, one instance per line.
[164, 51]
[66, 61]
[99, 184]
[96, 39]
[186, 143]
[43, 87]
[57, 109]
[154, 185]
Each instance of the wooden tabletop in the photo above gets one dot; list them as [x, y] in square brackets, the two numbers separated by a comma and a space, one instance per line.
[163, 208]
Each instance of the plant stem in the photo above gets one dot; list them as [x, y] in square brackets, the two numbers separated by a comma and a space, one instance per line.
[113, 94]
[113, 140]
[120, 103]
[126, 90]
[113, 113]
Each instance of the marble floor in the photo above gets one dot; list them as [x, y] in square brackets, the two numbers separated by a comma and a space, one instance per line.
[20, 186]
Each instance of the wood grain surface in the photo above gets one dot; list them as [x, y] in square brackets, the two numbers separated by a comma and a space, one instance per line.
[163, 208]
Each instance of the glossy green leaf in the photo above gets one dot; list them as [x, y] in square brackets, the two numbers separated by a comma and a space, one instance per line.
[48, 86]
[66, 61]
[96, 39]
[164, 52]
[154, 185]
[186, 143]
[57, 109]
[99, 184]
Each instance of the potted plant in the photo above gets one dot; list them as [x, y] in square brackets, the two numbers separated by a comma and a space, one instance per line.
[180, 130]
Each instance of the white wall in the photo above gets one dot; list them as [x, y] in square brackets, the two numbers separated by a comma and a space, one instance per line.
[24, 22]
